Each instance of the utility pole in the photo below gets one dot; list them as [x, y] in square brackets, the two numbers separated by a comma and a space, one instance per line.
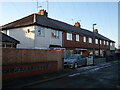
[38, 6]
[47, 6]
[93, 44]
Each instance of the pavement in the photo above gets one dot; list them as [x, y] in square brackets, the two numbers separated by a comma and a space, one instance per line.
[29, 81]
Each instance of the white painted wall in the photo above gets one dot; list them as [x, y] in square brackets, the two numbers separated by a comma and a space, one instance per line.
[21, 34]
[32, 39]
[45, 40]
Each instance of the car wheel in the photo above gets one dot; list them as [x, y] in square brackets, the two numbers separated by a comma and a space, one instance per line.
[75, 65]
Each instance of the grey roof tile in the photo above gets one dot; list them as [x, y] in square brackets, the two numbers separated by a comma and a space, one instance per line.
[6, 38]
[51, 23]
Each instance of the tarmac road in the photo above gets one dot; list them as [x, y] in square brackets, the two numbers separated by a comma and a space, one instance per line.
[102, 77]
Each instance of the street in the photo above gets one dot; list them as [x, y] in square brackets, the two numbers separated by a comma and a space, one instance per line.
[104, 77]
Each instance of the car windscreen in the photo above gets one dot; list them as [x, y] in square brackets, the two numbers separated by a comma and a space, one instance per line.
[72, 57]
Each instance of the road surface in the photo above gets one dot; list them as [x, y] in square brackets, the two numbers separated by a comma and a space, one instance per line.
[103, 77]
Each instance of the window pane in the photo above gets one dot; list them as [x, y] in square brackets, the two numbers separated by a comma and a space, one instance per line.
[55, 34]
[107, 43]
[77, 37]
[8, 45]
[3, 45]
[113, 44]
[104, 42]
[96, 41]
[69, 36]
[90, 40]
[100, 41]
[84, 39]
[40, 31]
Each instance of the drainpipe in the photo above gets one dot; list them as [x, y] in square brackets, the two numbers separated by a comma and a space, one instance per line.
[34, 21]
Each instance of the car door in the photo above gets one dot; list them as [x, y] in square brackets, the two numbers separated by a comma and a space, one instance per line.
[83, 60]
[79, 60]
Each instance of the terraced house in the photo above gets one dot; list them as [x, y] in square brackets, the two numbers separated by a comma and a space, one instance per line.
[38, 31]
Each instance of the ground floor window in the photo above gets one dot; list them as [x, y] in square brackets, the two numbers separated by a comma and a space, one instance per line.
[6, 45]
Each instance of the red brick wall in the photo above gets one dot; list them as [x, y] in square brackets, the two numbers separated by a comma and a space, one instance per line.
[13, 59]
[104, 46]
[10, 72]
[81, 44]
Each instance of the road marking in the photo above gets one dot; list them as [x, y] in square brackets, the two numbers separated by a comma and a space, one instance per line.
[94, 69]
[73, 75]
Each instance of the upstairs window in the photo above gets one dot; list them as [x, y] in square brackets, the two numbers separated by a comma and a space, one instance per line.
[96, 41]
[77, 38]
[113, 44]
[104, 43]
[84, 39]
[40, 31]
[69, 36]
[107, 43]
[90, 40]
[55, 34]
[100, 41]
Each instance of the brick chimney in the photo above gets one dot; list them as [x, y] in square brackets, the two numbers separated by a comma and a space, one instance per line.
[43, 12]
[77, 24]
[96, 31]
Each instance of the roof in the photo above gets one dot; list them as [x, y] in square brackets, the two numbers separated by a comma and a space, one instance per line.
[28, 20]
[36, 19]
[97, 35]
[6, 38]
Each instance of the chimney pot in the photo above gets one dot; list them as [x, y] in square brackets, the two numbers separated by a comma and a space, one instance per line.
[96, 31]
[43, 12]
[77, 24]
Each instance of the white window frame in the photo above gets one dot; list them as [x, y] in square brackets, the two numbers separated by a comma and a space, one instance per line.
[110, 43]
[84, 39]
[40, 31]
[77, 37]
[69, 36]
[6, 46]
[113, 44]
[90, 40]
[107, 42]
[96, 41]
[100, 42]
[104, 42]
[56, 34]
[10, 46]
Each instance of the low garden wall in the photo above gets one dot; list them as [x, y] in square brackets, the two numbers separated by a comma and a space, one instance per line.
[99, 60]
[18, 63]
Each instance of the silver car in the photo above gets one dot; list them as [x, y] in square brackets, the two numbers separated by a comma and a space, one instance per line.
[75, 60]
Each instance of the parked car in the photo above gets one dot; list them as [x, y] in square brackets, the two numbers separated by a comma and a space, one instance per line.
[98, 56]
[75, 60]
